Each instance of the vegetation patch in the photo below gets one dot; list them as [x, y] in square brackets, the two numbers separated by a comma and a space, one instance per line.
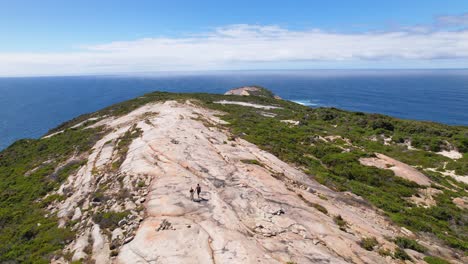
[123, 144]
[368, 243]
[401, 254]
[404, 242]
[317, 206]
[28, 172]
[340, 222]
[385, 252]
[109, 220]
[252, 161]
[435, 260]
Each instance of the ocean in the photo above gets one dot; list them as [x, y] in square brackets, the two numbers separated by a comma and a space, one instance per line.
[29, 107]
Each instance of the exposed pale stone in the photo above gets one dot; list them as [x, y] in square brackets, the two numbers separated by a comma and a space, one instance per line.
[266, 107]
[247, 213]
[117, 234]
[399, 168]
[77, 214]
[101, 251]
[453, 154]
[461, 202]
[78, 246]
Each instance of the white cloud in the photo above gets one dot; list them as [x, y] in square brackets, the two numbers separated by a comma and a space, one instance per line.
[453, 20]
[243, 46]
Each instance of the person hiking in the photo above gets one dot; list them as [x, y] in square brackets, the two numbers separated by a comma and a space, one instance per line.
[198, 190]
[191, 193]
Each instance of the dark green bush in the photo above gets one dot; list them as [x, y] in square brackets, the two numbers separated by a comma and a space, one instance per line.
[109, 220]
[27, 173]
[404, 242]
[401, 254]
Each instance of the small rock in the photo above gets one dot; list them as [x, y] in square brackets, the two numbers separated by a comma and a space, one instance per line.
[407, 232]
[77, 214]
[122, 222]
[129, 205]
[279, 212]
[128, 239]
[117, 234]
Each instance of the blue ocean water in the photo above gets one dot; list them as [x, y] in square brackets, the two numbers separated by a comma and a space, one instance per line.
[29, 107]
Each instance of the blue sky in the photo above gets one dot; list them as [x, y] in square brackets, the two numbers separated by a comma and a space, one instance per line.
[114, 36]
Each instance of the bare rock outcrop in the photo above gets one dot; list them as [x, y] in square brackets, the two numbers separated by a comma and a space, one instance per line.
[399, 168]
[252, 90]
[262, 212]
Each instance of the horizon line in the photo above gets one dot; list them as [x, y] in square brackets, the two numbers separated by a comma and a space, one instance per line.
[227, 70]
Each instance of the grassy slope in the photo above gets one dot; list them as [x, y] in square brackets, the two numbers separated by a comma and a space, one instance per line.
[296, 144]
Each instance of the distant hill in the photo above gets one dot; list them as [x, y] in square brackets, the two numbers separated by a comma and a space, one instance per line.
[252, 91]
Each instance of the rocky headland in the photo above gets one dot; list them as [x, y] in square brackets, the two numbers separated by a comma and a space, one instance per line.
[128, 201]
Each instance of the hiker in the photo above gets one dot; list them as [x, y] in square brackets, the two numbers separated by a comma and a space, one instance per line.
[198, 190]
[191, 193]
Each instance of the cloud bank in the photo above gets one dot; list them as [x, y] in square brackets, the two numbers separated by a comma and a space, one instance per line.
[453, 20]
[243, 47]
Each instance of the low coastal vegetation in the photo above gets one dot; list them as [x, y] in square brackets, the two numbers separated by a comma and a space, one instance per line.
[404, 242]
[435, 260]
[29, 170]
[369, 243]
[326, 143]
[109, 220]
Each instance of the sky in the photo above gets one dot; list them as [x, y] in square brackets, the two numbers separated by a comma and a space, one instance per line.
[110, 37]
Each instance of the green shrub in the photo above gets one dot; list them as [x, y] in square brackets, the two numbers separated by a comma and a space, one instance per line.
[50, 199]
[340, 222]
[109, 220]
[141, 184]
[320, 208]
[382, 124]
[385, 252]
[28, 172]
[404, 242]
[369, 243]
[401, 254]
[435, 260]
